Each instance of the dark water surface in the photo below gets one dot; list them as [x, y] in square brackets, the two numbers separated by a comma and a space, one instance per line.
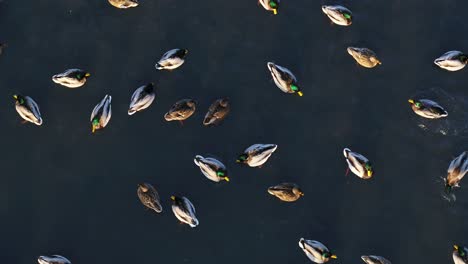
[66, 191]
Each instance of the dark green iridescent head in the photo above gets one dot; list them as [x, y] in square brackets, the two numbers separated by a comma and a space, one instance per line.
[463, 58]
[273, 4]
[19, 99]
[242, 158]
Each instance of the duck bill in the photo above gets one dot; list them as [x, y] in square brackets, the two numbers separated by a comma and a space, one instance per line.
[369, 173]
[87, 74]
[226, 179]
[455, 247]
[173, 198]
[15, 97]
[93, 129]
[333, 257]
[275, 11]
[411, 101]
[300, 93]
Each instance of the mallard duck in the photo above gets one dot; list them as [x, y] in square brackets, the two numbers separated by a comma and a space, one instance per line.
[456, 171]
[184, 211]
[460, 255]
[358, 164]
[72, 78]
[141, 99]
[375, 260]
[212, 168]
[339, 15]
[101, 114]
[270, 5]
[316, 251]
[217, 112]
[427, 108]
[123, 4]
[181, 110]
[172, 59]
[452, 60]
[364, 56]
[284, 79]
[149, 197]
[54, 259]
[288, 192]
[28, 109]
[257, 154]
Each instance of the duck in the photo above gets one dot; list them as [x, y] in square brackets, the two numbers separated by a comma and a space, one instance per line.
[364, 57]
[460, 255]
[217, 112]
[54, 259]
[184, 210]
[124, 4]
[287, 192]
[371, 259]
[339, 15]
[212, 168]
[71, 78]
[149, 197]
[270, 5]
[142, 98]
[427, 108]
[101, 114]
[257, 154]
[284, 79]
[316, 251]
[456, 171]
[181, 110]
[358, 164]
[28, 109]
[453, 60]
[172, 59]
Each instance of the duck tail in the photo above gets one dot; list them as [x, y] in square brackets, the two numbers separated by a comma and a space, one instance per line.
[159, 66]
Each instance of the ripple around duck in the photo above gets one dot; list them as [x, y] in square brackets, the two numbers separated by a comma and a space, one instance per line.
[456, 124]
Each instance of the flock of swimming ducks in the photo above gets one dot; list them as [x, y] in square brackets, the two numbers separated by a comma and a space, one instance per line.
[257, 154]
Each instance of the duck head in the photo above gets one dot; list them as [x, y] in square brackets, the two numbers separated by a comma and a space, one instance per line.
[143, 187]
[368, 168]
[329, 255]
[19, 99]
[149, 88]
[222, 174]
[415, 103]
[460, 250]
[463, 58]
[224, 102]
[242, 158]
[296, 89]
[274, 4]
[95, 125]
[297, 191]
[80, 76]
